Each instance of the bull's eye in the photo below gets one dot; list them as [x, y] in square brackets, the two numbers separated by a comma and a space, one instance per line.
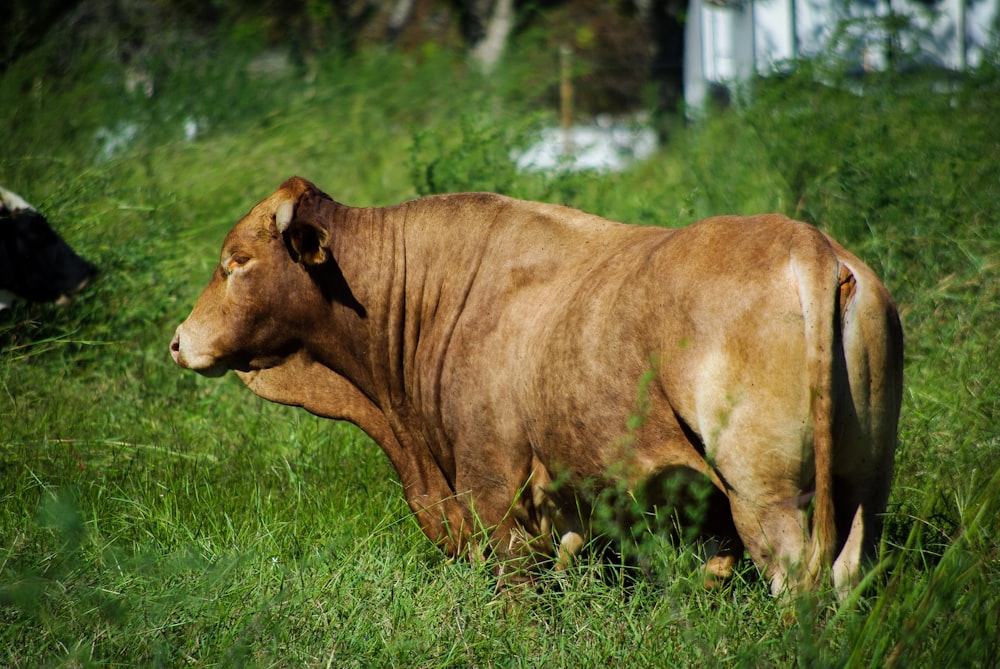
[236, 260]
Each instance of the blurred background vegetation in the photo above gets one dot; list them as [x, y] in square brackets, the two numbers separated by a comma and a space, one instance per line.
[622, 46]
[627, 55]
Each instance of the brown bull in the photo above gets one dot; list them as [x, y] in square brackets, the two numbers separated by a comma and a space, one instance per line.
[493, 346]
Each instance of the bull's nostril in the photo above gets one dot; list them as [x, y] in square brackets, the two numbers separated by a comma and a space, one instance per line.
[175, 348]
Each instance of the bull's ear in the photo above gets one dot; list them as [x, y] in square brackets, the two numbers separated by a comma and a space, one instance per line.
[306, 241]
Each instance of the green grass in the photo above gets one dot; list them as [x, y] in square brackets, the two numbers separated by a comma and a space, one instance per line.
[152, 517]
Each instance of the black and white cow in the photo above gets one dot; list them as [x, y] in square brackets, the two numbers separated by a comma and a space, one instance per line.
[35, 263]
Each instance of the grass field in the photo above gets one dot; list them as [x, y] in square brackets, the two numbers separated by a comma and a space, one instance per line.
[150, 517]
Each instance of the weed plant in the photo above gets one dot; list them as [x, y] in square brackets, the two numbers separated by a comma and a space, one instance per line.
[149, 517]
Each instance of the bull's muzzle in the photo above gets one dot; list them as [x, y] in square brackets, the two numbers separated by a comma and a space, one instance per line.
[204, 365]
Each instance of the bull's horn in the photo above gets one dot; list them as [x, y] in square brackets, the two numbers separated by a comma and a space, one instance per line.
[283, 214]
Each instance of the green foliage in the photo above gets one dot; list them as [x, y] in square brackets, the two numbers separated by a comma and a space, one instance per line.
[476, 160]
[152, 517]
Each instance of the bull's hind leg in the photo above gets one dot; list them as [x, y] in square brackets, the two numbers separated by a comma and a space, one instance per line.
[721, 542]
[774, 533]
[695, 499]
[763, 467]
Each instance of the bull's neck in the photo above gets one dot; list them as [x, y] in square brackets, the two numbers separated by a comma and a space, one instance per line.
[404, 275]
[361, 339]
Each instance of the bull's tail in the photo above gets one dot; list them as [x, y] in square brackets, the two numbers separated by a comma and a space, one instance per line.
[821, 280]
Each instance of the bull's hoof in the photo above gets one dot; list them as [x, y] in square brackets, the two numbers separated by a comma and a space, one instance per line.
[718, 571]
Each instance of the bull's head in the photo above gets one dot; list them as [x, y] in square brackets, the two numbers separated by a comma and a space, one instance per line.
[267, 288]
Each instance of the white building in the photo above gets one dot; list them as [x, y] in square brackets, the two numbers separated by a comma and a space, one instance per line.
[726, 41]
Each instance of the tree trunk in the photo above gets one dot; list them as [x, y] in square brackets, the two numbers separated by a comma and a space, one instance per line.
[488, 50]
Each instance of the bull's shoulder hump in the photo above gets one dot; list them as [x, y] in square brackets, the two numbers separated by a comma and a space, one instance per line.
[488, 201]
[446, 200]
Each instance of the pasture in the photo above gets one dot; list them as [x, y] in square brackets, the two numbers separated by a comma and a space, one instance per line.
[151, 517]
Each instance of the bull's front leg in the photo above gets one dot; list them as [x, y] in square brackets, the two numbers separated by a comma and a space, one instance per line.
[440, 515]
[510, 530]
